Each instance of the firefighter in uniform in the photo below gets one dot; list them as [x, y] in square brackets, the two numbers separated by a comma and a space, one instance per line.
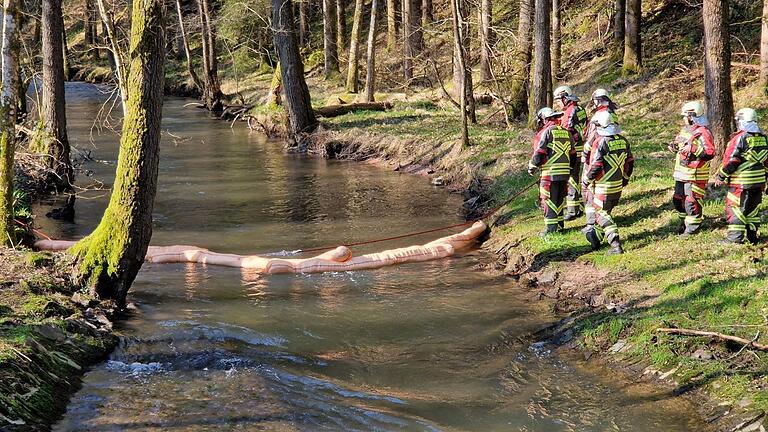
[601, 102]
[552, 154]
[744, 169]
[610, 167]
[694, 148]
[574, 120]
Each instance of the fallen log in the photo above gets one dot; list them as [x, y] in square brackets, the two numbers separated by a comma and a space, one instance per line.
[715, 335]
[337, 110]
[338, 259]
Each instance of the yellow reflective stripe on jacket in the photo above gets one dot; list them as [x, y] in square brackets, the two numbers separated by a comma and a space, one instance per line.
[752, 170]
[559, 162]
[613, 178]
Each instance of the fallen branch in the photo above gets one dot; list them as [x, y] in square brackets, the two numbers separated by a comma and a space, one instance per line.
[337, 110]
[715, 335]
[749, 66]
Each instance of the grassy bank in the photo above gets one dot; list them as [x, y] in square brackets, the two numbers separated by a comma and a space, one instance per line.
[49, 334]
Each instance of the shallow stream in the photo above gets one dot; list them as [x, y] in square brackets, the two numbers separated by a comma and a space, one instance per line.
[429, 346]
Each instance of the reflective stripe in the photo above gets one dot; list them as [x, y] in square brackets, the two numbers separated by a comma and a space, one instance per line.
[559, 162]
[752, 170]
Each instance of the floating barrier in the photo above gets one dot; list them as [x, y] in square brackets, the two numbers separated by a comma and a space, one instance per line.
[338, 259]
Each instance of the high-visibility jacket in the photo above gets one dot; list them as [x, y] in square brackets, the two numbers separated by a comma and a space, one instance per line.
[574, 120]
[552, 150]
[590, 133]
[611, 164]
[745, 160]
[697, 148]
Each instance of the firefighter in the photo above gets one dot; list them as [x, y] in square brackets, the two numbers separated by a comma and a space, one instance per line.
[694, 148]
[610, 167]
[601, 101]
[744, 169]
[574, 120]
[552, 154]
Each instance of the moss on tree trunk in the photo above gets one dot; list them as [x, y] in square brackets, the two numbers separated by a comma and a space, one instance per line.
[8, 103]
[110, 258]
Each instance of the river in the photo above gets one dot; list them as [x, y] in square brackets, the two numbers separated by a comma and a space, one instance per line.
[429, 346]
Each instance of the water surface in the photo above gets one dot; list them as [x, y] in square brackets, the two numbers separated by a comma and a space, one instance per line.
[429, 346]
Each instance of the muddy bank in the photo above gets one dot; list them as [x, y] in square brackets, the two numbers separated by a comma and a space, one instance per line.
[49, 334]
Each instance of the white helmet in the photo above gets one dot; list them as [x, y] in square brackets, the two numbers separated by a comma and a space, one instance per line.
[546, 113]
[746, 115]
[603, 119]
[600, 93]
[563, 92]
[692, 108]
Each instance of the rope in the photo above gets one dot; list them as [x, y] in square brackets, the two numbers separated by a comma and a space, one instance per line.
[486, 215]
[413, 234]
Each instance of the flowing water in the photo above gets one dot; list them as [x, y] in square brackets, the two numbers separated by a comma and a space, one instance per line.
[429, 346]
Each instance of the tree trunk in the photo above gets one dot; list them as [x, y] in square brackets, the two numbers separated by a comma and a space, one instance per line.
[303, 23]
[297, 102]
[370, 72]
[458, 43]
[619, 16]
[354, 49]
[542, 75]
[556, 49]
[341, 27]
[111, 256]
[211, 84]
[275, 88]
[486, 39]
[187, 51]
[717, 74]
[764, 50]
[458, 72]
[329, 39]
[118, 58]
[426, 12]
[53, 115]
[391, 24]
[9, 67]
[520, 84]
[65, 55]
[632, 48]
[408, 48]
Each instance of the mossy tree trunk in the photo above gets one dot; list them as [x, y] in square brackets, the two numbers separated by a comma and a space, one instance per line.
[297, 102]
[53, 115]
[9, 95]
[111, 256]
[633, 58]
[521, 81]
[353, 85]
[370, 74]
[331, 62]
[541, 95]
[717, 74]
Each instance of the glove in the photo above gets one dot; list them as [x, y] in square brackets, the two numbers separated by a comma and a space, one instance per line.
[718, 181]
[673, 147]
[532, 169]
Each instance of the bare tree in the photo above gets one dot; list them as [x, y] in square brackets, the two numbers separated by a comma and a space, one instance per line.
[354, 49]
[391, 24]
[329, 39]
[211, 84]
[53, 115]
[118, 56]
[632, 46]
[461, 59]
[619, 16]
[9, 70]
[341, 26]
[556, 47]
[717, 73]
[187, 51]
[458, 71]
[542, 75]
[303, 22]
[521, 80]
[427, 15]
[764, 50]
[111, 256]
[370, 75]
[487, 38]
[297, 102]
[412, 35]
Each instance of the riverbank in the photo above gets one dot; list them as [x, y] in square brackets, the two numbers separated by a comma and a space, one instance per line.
[49, 334]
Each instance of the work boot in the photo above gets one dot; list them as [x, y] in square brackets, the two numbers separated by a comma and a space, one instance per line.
[573, 216]
[727, 241]
[615, 249]
[591, 236]
[752, 236]
[681, 228]
[587, 228]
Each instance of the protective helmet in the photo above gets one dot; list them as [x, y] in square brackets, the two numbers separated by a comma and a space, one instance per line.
[563, 92]
[546, 113]
[746, 115]
[600, 93]
[692, 108]
[603, 119]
